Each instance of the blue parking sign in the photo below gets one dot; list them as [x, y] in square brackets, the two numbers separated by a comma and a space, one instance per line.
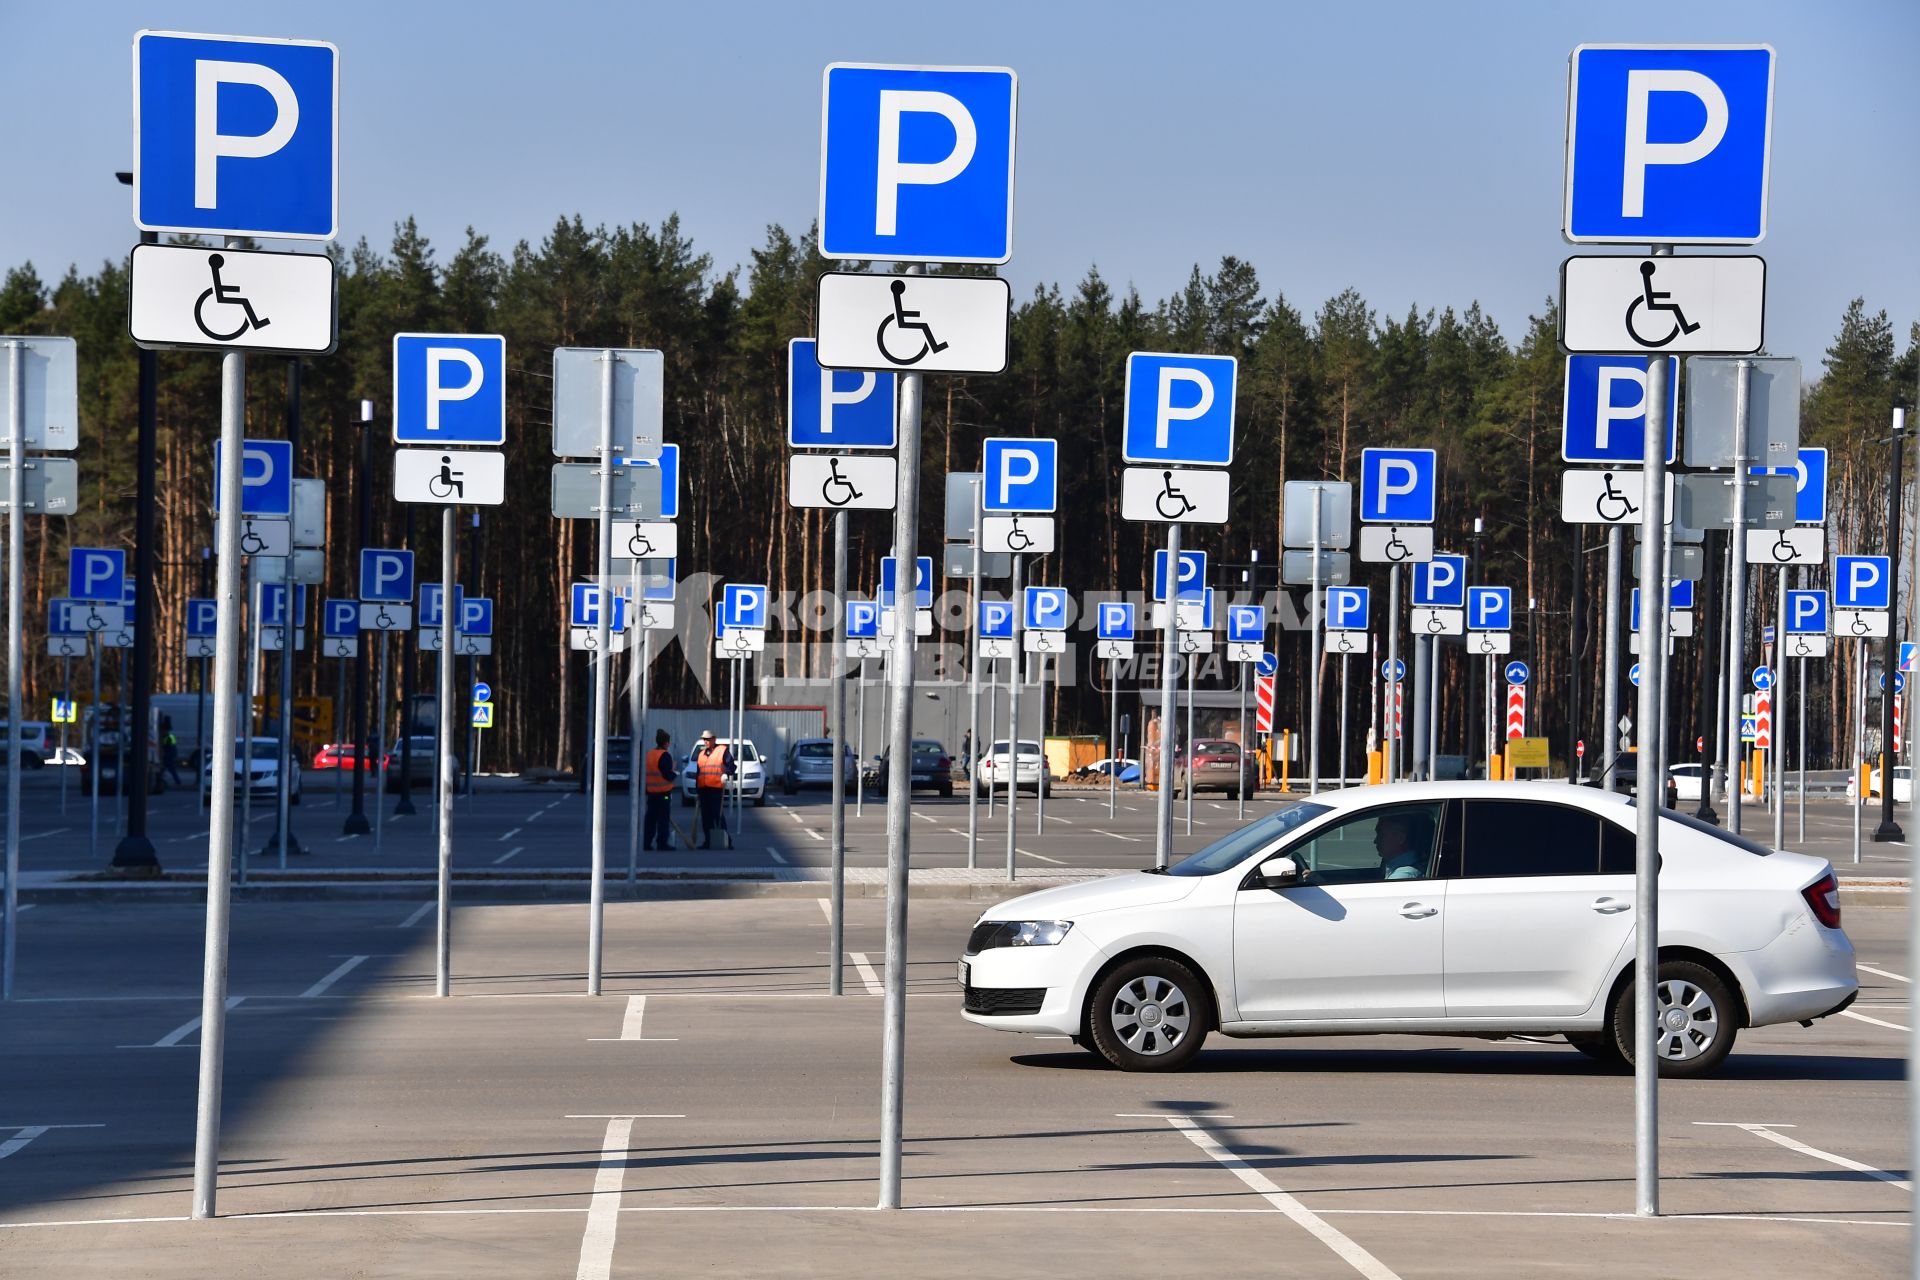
[386, 574]
[266, 477]
[922, 582]
[1441, 583]
[1046, 608]
[1604, 410]
[1668, 145]
[273, 605]
[996, 620]
[669, 464]
[1114, 620]
[837, 408]
[236, 135]
[339, 619]
[1490, 608]
[585, 604]
[1346, 608]
[863, 619]
[476, 616]
[1193, 574]
[203, 617]
[743, 606]
[1862, 582]
[916, 163]
[1396, 486]
[1179, 409]
[1807, 614]
[95, 574]
[449, 388]
[1246, 624]
[431, 601]
[1020, 474]
[1810, 485]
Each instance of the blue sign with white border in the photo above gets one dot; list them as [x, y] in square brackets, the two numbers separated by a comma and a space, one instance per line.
[1346, 608]
[1393, 669]
[743, 606]
[273, 605]
[203, 618]
[1397, 486]
[1246, 624]
[837, 408]
[449, 388]
[1179, 409]
[916, 163]
[236, 135]
[1441, 583]
[1046, 608]
[339, 619]
[1810, 485]
[1517, 672]
[386, 575]
[476, 616]
[863, 619]
[1114, 620]
[584, 607]
[922, 582]
[431, 597]
[1862, 582]
[95, 574]
[1490, 608]
[996, 620]
[1019, 474]
[1807, 614]
[1603, 415]
[266, 477]
[1668, 144]
[669, 464]
[1193, 574]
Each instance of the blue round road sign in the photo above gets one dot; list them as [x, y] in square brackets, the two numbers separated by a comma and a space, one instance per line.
[1899, 683]
[1393, 669]
[1517, 673]
[482, 691]
[1633, 674]
[1267, 665]
[1762, 678]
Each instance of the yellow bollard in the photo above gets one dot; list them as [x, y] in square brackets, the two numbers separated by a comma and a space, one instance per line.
[1376, 768]
[1286, 738]
[1759, 774]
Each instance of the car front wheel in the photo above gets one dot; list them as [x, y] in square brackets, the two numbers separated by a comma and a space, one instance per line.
[1696, 1016]
[1148, 1015]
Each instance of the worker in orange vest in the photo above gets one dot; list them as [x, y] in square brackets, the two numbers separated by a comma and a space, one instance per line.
[713, 765]
[657, 833]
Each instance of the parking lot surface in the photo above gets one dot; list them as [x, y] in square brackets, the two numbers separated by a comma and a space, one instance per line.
[716, 1112]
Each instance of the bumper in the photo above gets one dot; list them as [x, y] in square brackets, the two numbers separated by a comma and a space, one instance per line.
[1061, 972]
[1806, 972]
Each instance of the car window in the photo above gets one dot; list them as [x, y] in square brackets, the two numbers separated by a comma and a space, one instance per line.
[813, 751]
[1392, 842]
[1236, 846]
[1216, 747]
[1530, 838]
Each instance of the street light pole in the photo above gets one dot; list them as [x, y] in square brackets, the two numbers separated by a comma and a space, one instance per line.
[1888, 828]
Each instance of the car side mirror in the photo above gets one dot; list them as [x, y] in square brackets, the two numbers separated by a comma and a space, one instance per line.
[1279, 872]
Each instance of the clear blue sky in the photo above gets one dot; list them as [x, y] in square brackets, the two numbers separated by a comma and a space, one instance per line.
[1411, 150]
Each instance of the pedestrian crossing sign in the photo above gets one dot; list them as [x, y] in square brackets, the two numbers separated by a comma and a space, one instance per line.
[483, 715]
[64, 711]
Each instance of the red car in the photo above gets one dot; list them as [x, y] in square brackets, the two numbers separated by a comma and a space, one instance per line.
[340, 755]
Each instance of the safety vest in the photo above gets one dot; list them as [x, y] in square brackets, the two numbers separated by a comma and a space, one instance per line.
[712, 767]
[657, 785]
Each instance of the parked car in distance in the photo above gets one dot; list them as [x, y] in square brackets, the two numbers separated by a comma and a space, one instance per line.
[1686, 780]
[810, 764]
[1129, 769]
[426, 750]
[1626, 779]
[1216, 765]
[749, 779]
[1479, 909]
[1902, 784]
[931, 768]
[1029, 768]
[261, 773]
[37, 747]
[341, 755]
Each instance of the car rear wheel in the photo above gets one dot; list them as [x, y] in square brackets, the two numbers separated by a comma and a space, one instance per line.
[1696, 1016]
[1148, 1015]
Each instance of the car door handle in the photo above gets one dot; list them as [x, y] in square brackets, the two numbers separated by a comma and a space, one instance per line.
[1418, 911]
[1611, 906]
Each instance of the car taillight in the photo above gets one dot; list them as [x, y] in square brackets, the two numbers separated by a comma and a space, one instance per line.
[1823, 897]
[946, 762]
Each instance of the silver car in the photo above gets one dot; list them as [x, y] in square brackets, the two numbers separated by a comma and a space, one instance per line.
[810, 764]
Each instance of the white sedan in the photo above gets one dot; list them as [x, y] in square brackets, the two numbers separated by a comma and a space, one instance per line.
[1902, 784]
[1467, 908]
[749, 780]
[261, 776]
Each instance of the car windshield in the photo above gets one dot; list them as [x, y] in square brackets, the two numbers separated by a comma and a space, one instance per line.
[1231, 849]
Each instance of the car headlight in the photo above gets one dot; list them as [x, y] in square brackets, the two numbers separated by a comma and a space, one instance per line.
[1020, 933]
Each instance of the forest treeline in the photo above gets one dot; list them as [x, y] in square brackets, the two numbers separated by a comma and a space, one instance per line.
[1314, 389]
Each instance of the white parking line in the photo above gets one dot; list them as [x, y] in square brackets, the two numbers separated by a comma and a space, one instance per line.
[1881, 972]
[630, 1026]
[508, 854]
[1102, 831]
[1861, 1017]
[1767, 1132]
[509, 835]
[775, 855]
[867, 975]
[191, 835]
[603, 1211]
[1028, 853]
[1356, 1257]
[826, 908]
[25, 1133]
[42, 835]
[320, 988]
[179, 1033]
[816, 835]
[414, 918]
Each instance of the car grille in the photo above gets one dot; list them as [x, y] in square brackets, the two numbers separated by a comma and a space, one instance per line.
[1005, 1001]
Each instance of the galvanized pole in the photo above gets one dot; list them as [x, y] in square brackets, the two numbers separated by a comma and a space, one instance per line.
[1187, 660]
[1610, 663]
[1314, 614]
[443, 767]
[255, 613]
[1113, 734]
[380, 748]
[1240, 783]
[636, 720]
[1659, 736]
[837, 900]
[973, 684]
[993, 724]
[93, 748]
[1800, 687]
[16, 645]
[1343, 722]
[1040, 788]
[1388, 716]
[1861, 780]
[1163, 817]
[289, 639]
[600, 667]
[213, 985]
[906, 528]
[1727, 753]
[1422, 676]
[1018, 668]
[1646, 1064]
[859, 750]
[1737, 593]
[1887, 829]
[66, 693]
[1779, 727]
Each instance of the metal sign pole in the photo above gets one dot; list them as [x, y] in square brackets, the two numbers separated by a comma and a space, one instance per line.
[1417, 743]
[1190, 663]
[443, 948]
[837, 899]
[1314, 611]
[1240, 782]
[1737, 595]
[380, 745]
[1163, 816]
[1433, 706]
[289, 643]
[66, 694]
[16, 643]
[993, 724]
[1040, 787]
[1661, 736]
[1018, 667]
[93, 748]
[1726, 751]
[1777, 729]
[1391, 732]
[1646, 1064]
[973, 683]
[1800, 688]
[1860, 786]
[602, 634]
[120, 742]
[213, 986]
[636, 718]
[252, 674]
[860, 744]
[1113, 734]
[340, 702]
[1610, 733]
[906, 524]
